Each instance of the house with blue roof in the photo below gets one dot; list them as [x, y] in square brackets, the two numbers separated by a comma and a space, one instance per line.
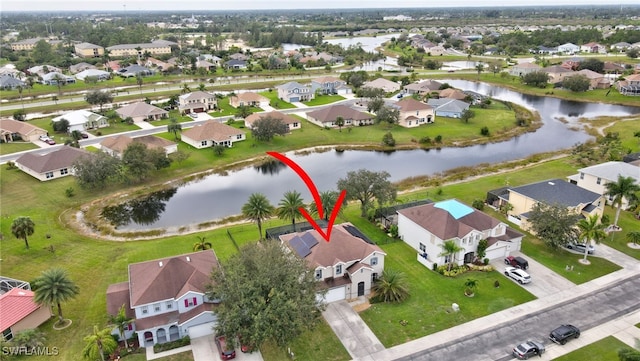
[426, 227]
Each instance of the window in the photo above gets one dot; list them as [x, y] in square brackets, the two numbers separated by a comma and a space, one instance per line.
[318, 274]
[156, 307]
[169, 305]
[189, 302]
[64, 171]
[7, 335]
[203, 143]
[581, 175]
[599, 181]
[145, 310]
[295, 125]
[374, 277]
[338, 269]
[374, 261]
[447, 258]
[239, 136]
[423, 248]
[49, 175]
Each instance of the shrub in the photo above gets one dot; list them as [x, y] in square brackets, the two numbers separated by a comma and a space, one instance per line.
[69, 192]
[11, 165]
[172, 344]
[478, 204]
[484, 131]
[438, 138]
[486, 261]
[393, 230]
[425, 140]
[388, 140]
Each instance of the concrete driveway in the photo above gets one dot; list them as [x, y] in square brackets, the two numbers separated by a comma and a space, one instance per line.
[354, 334]
[204, 349]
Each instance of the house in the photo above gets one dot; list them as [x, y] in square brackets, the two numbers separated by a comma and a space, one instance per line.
[426, 227]
[197, 102]
[166, 297]
[414, 113]
[115, 146]
[290, 121]
[621, 46]
[41, 70]
[82, 120]
[157, 47]
[327, 116]
[451, 108]
[134, 70]
[572, 63]
[55, 78]
[88, 50]
[14, 130]
[568, 48]
[329, 85]
[249, 99]
[157, 64]
[76, 68]
[452, 93]
[553, 191]
[141, 111]
[97, 74]
[630, 85]
[346, 266]
[523, 69]
[557, 73]
[422, 88]
[53, 165]
[212, 133]
[387, 86]
[593, 47]
[20, 312]
[205, 65]
[29, 44]
[596, 80]
[596, 177]
[10, 83]
[294, 92]
[234, 64]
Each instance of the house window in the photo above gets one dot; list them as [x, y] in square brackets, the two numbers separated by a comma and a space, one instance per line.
[130, 327]
[169, 305]
[318, 274]
[189, 302]
[581, 175]
[447, 258]
[7, 335]
[156, 307]
[239, 136]
[423, 248]
[599, 181]
[203, 143]
[374, 261]
[145, 310]
[338, 269]
[64, 171]
[295, 125]
[374, 277]
[49, 175]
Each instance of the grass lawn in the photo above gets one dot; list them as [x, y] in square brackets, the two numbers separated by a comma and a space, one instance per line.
[603, 350]
[276, 102]
[321, 99]
[224, 108]
[14, 147]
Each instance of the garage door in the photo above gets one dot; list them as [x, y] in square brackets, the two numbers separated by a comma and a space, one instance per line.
[201, 330]
[294, 99]
[335, 294]
[497, 252]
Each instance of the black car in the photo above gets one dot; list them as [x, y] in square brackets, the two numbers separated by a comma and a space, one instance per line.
[563, 333]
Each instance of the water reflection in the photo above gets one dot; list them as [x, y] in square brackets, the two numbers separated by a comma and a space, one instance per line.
[270, 167]
[142, 211]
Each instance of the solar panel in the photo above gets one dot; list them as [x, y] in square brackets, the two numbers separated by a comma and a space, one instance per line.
[299, 245]
[356, 233]
[309, 240]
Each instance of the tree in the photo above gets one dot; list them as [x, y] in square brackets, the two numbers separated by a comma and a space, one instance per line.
[592, 64]
[590, 230]
[623, 188]
[495, 67]
[365, 186]
[388, 140]
[267, 295]
[628, 354]
[479, 68]
[99, 343]
[467, 114]
[61, 126]
[174, 127]
[553, 224]
[388, 115]
[53, 287]
[470, 285]
[97, 170]
[135, 162]
[576, 83]
[481, 250]
[258, 209]
[634, 237]
[375, 104]
[42, 52]
[449, 250]
[339, 122]
[121, 321]
[202, 244]
[265, 128]
[328, 199]
[289, 207]
[98, 97]
[538, 79]
[633, 53]
[20, 115]
[243, 111]
[22, 227]
[390, 287]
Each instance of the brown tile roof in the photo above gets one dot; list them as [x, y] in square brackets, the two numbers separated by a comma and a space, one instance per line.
[453, 94]
[410, 104]
[15, 126]
[58, 159]
[343, 247]
[287, 119]
[118, 295]
[139, 109]
[16, 304]
[330, 114]
[170, 278]
[249, 97]
[121, 142]
[212, 130]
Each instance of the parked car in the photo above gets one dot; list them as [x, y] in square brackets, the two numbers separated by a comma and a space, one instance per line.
[226, 350]
[193, 115]
[517, 274]
[517, 262]
[527, 349]
[399, 96]
[46, 139]
[84, 135]
[579, 247]
[563, 333]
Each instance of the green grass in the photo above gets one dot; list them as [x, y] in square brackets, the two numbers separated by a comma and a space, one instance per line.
[320, 99]
[224, 107]
[14, 147]
[275, 102]
[603, 350]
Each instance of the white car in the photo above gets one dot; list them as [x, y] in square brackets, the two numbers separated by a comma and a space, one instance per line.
[517, 274]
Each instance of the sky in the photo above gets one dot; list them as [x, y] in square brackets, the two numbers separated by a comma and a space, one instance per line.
[147, 5]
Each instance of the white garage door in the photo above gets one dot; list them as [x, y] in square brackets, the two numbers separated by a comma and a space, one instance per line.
[496, 253]
[335, 294]
[201, 330]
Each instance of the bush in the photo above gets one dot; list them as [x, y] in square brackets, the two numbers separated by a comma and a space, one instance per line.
[486, 261]
[160, 347]
[438, 138]
[11, 165]
[388, 140]
[478, 204]
[484, 131]
[69, 192]
[425, 140]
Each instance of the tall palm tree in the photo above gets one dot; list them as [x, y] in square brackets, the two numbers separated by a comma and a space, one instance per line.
[99, 343]
[22, 227]
[624, 188]
[174, 127]
[202, 244]
[258, 209]
[591, 229]
[289, 207]
[328, 199]
[449, 249]
[54, 287]
[121, 321]
[391, 286]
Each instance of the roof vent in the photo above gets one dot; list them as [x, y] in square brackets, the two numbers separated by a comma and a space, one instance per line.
[160, 263]
[188, 259]
[551, 184]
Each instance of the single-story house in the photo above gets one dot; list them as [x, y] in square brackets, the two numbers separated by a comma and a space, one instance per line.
[422, 88]
[167, 298]
[8, 82]
[115, 146]
[212, 133]
[12, 130]
[414, 113]
[134, 70]
[326, 117]
[452, 93]
[290, 121]
[596, 177]
[93, 73]
[53, 165]
[234, 64]
[197, 102]
[20, 312]
[346, 266]
[387, 86]
[53, 78]
[596, 80]
[451, 108]
[82, 120]
[426, 227]
[141, 111]
[250, 99]
[76, 68]
[294, 92]
[568, 48]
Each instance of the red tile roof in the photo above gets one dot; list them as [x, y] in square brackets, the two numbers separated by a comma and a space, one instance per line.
[16, 305]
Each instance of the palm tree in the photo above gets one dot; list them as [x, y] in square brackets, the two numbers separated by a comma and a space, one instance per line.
[54, 287]
[340, 122]
[590, 229]
[121, 321]
[22, 227]
[634, 237]
[202, 87]
[139, 81]
[185, 89]
[289, 207]
[479, 68]
[624, 188]
[328, 199]
[202, 244]
[258, 209]
[99, 343]
[449, 250]
[391, 287]
[174, 127]
[470, 286]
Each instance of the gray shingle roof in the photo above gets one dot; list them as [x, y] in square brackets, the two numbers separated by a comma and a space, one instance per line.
[558, 191]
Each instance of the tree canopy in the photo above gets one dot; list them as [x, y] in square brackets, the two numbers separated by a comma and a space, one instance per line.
[553, 224]
[365, 186]
[576, 83]
[23, 227]
[267, 295]
[98, 97]
[54, 287]
[265, 128]
[258, 208]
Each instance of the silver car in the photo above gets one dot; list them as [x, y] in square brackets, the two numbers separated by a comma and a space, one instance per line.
[527, 349]
[579, 247]
[517, 274]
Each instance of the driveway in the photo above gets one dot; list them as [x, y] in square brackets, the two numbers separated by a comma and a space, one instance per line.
[204, 349]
